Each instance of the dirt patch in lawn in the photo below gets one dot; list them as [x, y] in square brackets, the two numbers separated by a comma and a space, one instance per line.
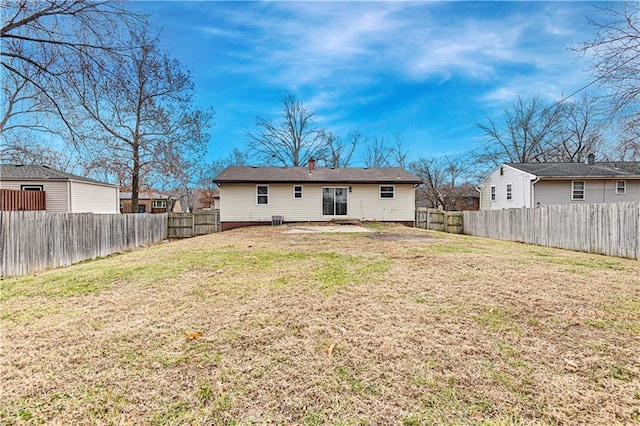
[256, 326]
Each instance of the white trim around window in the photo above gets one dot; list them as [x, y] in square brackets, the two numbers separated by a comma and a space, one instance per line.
[621, 187]
[509, 192]
[31, 187]
[159, 204]
[297, 192]
[577, 190]
[493, 192]
[387, 192]
[262, 195]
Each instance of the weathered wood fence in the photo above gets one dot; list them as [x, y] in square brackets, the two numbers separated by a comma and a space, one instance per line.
[186, 225]
[32, 241]
[612, 229]
[439, 220]
[13, 199]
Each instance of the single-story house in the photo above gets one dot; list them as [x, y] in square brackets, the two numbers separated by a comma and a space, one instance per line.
[148, 202]
[258, 195]
[64, 192]
[515, 185]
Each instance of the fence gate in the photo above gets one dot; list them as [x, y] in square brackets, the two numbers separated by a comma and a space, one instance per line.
[186, 225]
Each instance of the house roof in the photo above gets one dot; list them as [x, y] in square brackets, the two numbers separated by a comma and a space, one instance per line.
[244, 174]
[623, 169]
[34, 172]
[143, 195]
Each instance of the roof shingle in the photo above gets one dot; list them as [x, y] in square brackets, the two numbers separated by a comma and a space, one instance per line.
[36, 172]
[630, 169]
[240, 174]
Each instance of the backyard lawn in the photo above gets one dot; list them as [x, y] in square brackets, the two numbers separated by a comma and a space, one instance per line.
[256, 326]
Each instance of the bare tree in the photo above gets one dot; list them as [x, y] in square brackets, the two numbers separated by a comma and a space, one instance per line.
[442, 177]
[528, 131]
[376, 153]
[141, 125]
[433, 173]
[292, 140]
[398, 153]
[581, 132]
[40, 42]
[339, 153]
[615, 54]
[205, 188]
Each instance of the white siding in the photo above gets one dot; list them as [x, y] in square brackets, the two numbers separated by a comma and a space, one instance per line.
[238, 203]
[521, 189]
[57, 193]
[92, 198]
[549, 192]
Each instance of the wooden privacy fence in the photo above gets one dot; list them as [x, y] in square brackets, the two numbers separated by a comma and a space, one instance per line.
[439, 220]
[34, 241]
[13, 199]
[612, 229]
[186, 225]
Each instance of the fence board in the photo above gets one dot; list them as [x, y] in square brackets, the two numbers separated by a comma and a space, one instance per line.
[32, 241]
[612, 229]
[439, 220]
[186, 225]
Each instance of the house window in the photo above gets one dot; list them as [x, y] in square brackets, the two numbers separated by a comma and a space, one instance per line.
[509, 191]
[577, 190]
[297, 191]
[159, 204]
[493, 193]
[387, 191]
[621, 187]
[31, 187]
[262, 194]
[121, 204]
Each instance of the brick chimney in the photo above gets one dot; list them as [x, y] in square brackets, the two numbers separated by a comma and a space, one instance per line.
[591, 159]
[312, 164]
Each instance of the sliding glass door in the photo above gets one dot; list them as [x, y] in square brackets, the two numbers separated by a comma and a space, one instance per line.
[334, 201]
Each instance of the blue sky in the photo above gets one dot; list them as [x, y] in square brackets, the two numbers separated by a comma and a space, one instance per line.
[423, 71]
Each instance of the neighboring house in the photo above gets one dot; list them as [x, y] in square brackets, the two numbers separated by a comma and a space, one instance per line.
[515, 185]
[254, 195]
[464, 197]
[148, 202]
[64, 192]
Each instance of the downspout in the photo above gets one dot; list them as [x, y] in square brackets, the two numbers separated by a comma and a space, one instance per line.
[69, 202]
[532, 195]
[479, 191]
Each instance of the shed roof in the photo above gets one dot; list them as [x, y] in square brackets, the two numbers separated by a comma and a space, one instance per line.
[244, 174]
[623, 169]
[33, 172]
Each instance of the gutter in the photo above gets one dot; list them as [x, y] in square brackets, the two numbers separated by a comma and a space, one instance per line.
[533, 192]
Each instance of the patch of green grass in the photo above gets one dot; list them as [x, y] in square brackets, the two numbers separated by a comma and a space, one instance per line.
[445, 249]
[30, 314]
[338, 271]
[86, 278]
[313, 418]
[493, 318]
[345, 376]
[174, 414]
[591, 263]
[622, 373]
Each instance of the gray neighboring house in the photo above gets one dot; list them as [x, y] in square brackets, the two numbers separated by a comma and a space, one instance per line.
[64, 192]
[254, 195]
[515, 185]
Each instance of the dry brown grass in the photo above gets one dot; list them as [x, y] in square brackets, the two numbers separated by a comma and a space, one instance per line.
[401, 326]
